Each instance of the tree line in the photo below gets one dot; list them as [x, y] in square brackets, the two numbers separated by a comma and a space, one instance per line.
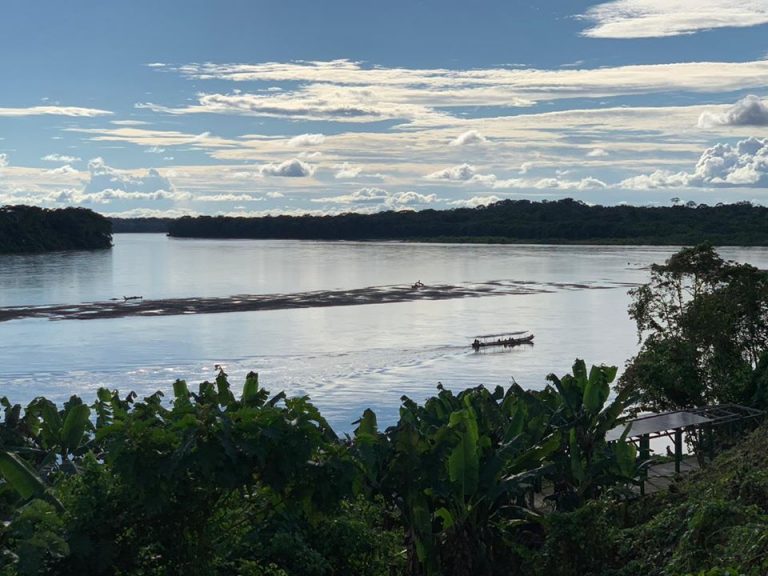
[25, 229]
[562, 221]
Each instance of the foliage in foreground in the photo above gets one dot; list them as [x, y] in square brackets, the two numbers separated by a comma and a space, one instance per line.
[715, 523]
[214, 484]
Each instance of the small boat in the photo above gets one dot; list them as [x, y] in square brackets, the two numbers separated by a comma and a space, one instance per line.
[505, 342]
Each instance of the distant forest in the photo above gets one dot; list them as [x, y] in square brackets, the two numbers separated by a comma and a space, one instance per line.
[32, 229]
[143, 225]
[510, 221]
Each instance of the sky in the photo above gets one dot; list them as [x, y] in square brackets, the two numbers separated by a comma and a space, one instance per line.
[254, 107]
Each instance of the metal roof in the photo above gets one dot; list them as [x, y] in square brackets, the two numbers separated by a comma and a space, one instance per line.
[657, 423]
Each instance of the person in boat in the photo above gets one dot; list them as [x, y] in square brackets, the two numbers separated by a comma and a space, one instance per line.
[476, 344]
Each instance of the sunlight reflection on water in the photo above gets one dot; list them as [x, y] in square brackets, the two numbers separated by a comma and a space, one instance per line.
[345, 358]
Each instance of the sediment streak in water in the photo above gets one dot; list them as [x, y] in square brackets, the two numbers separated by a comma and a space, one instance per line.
[250, 302]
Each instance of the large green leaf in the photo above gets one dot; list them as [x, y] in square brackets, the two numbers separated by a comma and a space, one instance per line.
[576, 460]
[596, 389]
[20, 476]
[75, 424]
[580, 371]
[534, 456]
[626, 458]
[181, 392]
[367, 427]
[464, 460]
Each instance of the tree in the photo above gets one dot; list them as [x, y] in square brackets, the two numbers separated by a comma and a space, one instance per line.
[703, 325]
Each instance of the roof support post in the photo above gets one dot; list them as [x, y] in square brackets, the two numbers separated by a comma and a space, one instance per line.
[678, 449]
[645, 454]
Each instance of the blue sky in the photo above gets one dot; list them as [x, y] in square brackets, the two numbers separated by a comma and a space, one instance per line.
[256, 107]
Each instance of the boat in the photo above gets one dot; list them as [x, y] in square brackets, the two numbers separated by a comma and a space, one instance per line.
[501, 340]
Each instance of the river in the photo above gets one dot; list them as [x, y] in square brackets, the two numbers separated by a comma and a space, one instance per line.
[346, 358]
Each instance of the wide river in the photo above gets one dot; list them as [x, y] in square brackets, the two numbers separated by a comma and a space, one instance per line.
[346, 358]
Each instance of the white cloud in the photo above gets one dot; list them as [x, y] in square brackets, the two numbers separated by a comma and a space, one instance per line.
[460, 173]
[475, 201]
[347, 170]
[314, 102]
[744, 164]
[306, 140]
[469, 137]
[275, 194]
[111, 183]
[65, 170]
[749, 111]
[227, 198]
[128, 122]
[360, 196]
[597, 153]
[60, 158]
[468, 173]
[525, 167]
[3, 160]
[72, 111]
[410, 198]
[158, 138]
[657, 18]
[382, 199]
[346, 91]
[109, 195]
[550, 183]
[294, 168]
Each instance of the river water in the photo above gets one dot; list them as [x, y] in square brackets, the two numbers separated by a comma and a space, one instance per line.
[347, 358]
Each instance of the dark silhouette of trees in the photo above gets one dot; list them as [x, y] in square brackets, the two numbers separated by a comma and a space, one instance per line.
[704, 328]
[32, 229]
[140, 225]
[563, 221]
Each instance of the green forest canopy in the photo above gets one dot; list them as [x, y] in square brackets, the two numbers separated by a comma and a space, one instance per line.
[563, 221]
[32, 229]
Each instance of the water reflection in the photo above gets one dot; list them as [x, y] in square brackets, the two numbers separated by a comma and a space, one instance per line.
[61, 277]
[346, 358]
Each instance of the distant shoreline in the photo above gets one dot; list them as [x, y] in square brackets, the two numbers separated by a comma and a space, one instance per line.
[634, 243]
[563, 222]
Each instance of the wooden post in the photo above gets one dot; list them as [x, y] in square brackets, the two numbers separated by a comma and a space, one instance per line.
[678, 449]
[645, 453]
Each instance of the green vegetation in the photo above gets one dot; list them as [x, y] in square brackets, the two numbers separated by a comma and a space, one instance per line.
[704, 324]
[140, 225]
[213, 484]
[31, 229]
[562, 222]
[209, 483]
[714, 523]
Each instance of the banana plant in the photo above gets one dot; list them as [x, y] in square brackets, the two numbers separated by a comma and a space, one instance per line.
[587, 463]
[42, 442]
[61, 437]
[458, 468]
